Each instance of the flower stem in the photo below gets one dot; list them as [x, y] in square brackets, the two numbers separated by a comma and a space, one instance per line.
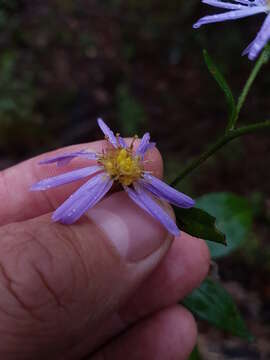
[226, 138]
[263, 59]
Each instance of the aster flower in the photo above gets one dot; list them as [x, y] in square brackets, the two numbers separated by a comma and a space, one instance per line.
[121, 164]
[240, 9]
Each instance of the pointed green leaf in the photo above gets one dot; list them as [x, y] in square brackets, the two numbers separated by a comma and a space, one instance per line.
[213, 69]
[199, 223]
[195, 355]
[234, 218]
[211, 302]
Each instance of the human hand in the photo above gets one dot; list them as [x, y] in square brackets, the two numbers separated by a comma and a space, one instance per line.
[105, 287]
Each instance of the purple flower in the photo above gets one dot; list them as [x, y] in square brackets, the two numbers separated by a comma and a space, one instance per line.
[240, 9]
[118, 163]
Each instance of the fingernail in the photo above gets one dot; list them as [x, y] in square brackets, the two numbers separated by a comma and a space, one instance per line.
[134, 233]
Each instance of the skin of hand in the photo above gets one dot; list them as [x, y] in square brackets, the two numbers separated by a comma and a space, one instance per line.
[106, 287]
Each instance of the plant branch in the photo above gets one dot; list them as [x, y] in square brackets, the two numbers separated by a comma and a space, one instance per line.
[226, 138]
[263, 59]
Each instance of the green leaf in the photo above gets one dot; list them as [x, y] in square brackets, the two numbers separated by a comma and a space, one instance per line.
[195, 355]
[211, 302]
[233, 217]
[199, 223]
[213, 69]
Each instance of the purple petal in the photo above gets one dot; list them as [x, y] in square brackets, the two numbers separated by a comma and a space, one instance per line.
[260, 41]
[108, 132]
[166, 192]
[156, 211]
[76, 196]
[247, 49]
[230, 15]
[150, 146]
[83, 199]
[64, 159]
[122, 142]
[223, 5]
[134, 196]
[252, 3]
[66, 178]
[144, 145]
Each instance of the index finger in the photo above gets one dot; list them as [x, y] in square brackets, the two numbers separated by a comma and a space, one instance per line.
[17, 203]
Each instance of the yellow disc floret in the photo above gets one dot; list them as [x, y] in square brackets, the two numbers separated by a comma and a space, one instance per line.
[122, 165]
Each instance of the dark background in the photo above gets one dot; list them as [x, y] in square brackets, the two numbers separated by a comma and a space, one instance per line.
[139, 65]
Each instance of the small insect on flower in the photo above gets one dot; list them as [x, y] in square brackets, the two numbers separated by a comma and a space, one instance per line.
[240, 9]
[119, 163]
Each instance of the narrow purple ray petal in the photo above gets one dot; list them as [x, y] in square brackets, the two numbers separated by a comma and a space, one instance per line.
[252, 2]
[230, 15]
[64, 159]
[66, 178]
[76, 196]
[134, 196]
[143, 147]
[223, 5]
[83, 199]
[150, 146]
[246, 51]
[166, 192]
[260, 41]
[246, 2]
[122, 142]
[107, 132]
[156, 211]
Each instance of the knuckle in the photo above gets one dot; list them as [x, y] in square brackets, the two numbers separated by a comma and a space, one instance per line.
[44, 283]
[30, 272]
[46, 265]
[41, 269]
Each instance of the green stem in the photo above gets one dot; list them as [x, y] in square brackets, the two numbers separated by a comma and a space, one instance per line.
[227, 137]
[242, 98]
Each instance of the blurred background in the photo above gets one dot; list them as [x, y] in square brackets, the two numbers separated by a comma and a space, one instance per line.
[139, 65]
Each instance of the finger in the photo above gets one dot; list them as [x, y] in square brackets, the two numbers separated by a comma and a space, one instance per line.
[17, 203]
[59, 283]
[169, 334]
[184, 267]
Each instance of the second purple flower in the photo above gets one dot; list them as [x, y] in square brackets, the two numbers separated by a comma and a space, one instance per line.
[239, 9]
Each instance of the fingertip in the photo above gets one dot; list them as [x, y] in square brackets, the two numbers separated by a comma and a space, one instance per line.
[177, 331]
[185, 330]
[184, 268]
[168, 334]
[200, 258]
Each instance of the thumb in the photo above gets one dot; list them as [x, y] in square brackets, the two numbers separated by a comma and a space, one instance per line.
[58, 283]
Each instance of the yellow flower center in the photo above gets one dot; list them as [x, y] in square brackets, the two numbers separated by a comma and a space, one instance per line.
[122, 165]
